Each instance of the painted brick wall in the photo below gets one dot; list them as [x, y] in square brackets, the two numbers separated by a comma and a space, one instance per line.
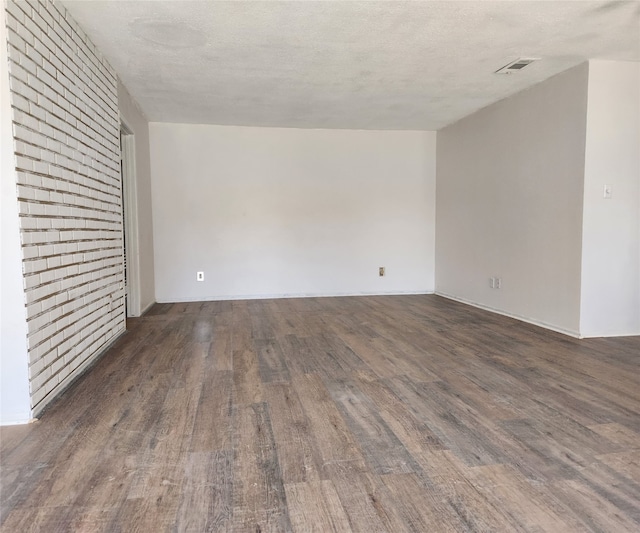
[66, 139]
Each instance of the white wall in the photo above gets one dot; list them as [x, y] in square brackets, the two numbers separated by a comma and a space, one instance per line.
[274, 212]
[135, 119]
[14, 379]
[509, 203]
[610, 302]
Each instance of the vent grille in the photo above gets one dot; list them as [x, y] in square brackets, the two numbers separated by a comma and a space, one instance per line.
[516, 65]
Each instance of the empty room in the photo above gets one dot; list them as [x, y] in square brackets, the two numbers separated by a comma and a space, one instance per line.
[314, 266]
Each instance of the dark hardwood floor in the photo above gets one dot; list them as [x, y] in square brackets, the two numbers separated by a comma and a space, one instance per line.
[408, 413]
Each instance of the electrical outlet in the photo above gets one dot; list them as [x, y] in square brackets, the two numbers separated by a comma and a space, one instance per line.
[492, 283]
[199, 276]
[381, 271]
[498, 283]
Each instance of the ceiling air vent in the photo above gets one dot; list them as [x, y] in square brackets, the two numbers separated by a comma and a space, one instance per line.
[516, 65]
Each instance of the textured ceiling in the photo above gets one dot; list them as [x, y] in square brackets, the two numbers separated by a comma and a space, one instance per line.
[340, 64]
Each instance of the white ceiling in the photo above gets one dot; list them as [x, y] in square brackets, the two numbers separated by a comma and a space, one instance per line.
[342, 64]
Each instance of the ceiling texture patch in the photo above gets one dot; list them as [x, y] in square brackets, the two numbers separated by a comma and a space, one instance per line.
[168, 34]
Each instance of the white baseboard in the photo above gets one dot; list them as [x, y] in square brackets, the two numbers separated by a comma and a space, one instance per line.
[564, 331]
[149, 306]
[599, 335]
[227, 297]
[17, 419]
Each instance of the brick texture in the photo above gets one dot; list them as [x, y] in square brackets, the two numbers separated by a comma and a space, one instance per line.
[66, 137]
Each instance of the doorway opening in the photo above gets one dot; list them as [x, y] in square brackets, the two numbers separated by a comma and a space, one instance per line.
[130, 221]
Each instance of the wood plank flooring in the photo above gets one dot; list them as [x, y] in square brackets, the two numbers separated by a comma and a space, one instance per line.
[364, 414]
